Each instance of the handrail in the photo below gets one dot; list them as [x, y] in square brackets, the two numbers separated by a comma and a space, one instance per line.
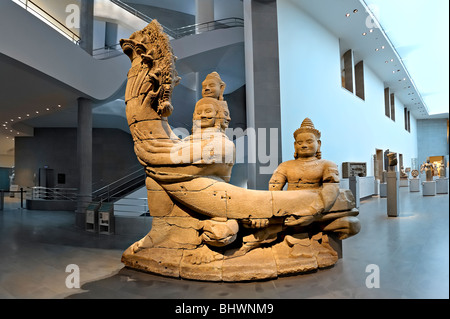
[106, 193]
[107, 52]
[208, 26]
[115, 49]
[52, 21]
[140, 15]
[46, 193]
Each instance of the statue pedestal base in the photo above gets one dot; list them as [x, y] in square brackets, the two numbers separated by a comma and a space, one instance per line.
[442, 186]
[414, 185]
[392, 194]
[429, 188]
[292, 255]
[383, 190]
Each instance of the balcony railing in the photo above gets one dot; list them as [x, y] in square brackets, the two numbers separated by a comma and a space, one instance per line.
[115, 50]
[208, 26]
[46, 17]
[45, 193]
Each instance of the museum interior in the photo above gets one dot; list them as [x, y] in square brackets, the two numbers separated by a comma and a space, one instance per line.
[317, 118]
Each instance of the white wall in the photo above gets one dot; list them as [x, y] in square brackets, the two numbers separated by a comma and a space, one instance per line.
[310, 86]
[39, 46]
[228, 9]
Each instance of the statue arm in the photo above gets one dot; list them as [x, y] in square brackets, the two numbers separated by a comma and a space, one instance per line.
[329, 194]
[278, 179]
[330, 186]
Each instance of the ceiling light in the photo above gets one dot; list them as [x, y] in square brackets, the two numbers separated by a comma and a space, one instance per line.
[28, 114]
[371, 30]
[392, 60]
[382, 46]
[37, 112]
[356, 10]
[347, 15]
[59, 105]
[386, 61]
[47, 109]
[364, 33]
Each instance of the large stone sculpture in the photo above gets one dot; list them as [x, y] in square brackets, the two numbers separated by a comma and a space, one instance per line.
[203, 227]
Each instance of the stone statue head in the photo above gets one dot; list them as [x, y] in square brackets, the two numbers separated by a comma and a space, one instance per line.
[213, 86]
[307, 140]
[392, 159]
[208, 112]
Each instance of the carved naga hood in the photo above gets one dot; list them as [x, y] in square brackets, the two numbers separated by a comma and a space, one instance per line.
[152, 75]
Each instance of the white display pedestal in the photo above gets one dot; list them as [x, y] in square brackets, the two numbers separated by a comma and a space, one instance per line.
[383, 189]
[414, 185]
[442, 185]
[429, 188]
[403, 182]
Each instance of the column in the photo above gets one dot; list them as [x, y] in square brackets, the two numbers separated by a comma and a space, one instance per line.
[84, 159]
[87, 25]
[204, 12]
[262, 90]
[353, 182]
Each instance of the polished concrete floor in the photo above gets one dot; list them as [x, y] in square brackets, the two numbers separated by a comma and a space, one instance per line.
[410, 253]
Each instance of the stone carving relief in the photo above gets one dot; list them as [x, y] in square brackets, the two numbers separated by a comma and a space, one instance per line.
[204, 228]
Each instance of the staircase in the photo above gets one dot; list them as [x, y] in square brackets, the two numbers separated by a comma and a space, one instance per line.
[120, 188]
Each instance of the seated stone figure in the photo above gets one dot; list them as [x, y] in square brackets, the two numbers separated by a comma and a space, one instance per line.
[203, 227]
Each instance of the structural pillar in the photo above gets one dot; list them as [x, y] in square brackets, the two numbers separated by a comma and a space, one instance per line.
[87, 25]
[262, 91]
[354, 188]
[84, 159]
[204, 12]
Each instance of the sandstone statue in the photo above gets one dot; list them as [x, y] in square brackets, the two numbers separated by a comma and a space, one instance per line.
[204, 228]
[429, 170]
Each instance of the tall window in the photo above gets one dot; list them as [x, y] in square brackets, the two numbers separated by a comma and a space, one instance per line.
[407, 120]
[359, 79]
[352, 75]
[347, 70]
[392, 107]
[389, 104]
